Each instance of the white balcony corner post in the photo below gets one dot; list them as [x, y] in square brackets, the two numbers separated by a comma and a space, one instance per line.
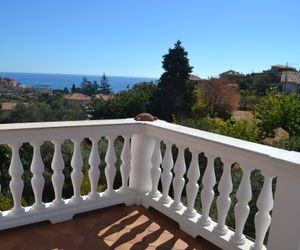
[142, 147]
[285, 226]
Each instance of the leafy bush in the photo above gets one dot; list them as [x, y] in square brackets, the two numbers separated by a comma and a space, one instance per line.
[278, 111]
[243, 129]
[292, 143]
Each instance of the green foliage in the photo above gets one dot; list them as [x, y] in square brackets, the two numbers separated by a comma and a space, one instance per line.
[175, 95]
[6, 202]
[278, 111]
[104, 87]
[292, 143]
[258, 84]
[242, 129]
[47, 109]
[89, 88]
[124, 104]
[249, 101]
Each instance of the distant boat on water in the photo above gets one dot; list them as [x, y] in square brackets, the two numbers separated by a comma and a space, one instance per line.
[60, 81]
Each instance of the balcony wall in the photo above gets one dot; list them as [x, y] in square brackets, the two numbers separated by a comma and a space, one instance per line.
[153, 178]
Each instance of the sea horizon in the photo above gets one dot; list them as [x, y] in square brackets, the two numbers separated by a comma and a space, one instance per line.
[61, 81]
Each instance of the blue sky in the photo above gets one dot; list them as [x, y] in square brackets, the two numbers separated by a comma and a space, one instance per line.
[129, 37]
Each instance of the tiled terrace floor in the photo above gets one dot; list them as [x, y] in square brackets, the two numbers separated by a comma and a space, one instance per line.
[117, 227]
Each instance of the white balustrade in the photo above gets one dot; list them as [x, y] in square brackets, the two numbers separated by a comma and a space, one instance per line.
[155, 170]
[141, 159]
[192, 187]
[76, 175]
[207, 193]
[223, 200]
[166, 176]
[262, 218]
[94, 172]
[58, 177]
[37, 181]
[242, 209]
[125, 166]
[178, 181]
[110, 170]
[16, 184]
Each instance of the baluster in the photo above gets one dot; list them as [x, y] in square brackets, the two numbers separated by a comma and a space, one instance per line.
[241, 209]
[262, 218]
[16, 184]
[110, 170]
[94, 172]
[224, 201]
[155, 170]
[207, 194]
[178, 181]
[58, 177]
[166, 176]
[76, 175]
[125, 166]
[37, 181]
[192, 187]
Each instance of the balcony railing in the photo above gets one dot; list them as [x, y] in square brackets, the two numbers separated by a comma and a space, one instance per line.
[145, 164]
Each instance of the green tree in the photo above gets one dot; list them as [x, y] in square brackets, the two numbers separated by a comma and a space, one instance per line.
[125, 104]
[89, 88]
[73, 89]
[175, 95]
[278, 111]
[104, 87]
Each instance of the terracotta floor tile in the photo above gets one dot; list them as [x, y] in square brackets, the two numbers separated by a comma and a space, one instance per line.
[159, 239]
[66, 242]
[15, 234]
[7, 245]
[28, 247]
[94, 244]
[180, 244]
[104, 232]
[88, 217]
[117, 227]
[132, 236]
[154, 226]
[127, 246]
[48, 226]
[81, 228]
[140, 221]
[155, 248]
[38, 237]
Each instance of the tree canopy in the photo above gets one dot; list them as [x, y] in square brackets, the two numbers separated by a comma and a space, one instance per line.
[279, 111]
[175, 91]
[104, 87]
[89, 88]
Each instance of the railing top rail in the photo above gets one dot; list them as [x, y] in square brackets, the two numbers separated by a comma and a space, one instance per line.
[161, 130]
[65, 124]
[211, 139]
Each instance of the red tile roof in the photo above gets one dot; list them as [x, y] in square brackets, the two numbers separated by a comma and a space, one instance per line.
[78, 97]
[8, 106]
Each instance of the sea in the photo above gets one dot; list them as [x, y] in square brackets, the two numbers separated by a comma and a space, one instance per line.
[60, 81]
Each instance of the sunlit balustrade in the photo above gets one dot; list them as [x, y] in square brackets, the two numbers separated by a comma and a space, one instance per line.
[184, 173]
